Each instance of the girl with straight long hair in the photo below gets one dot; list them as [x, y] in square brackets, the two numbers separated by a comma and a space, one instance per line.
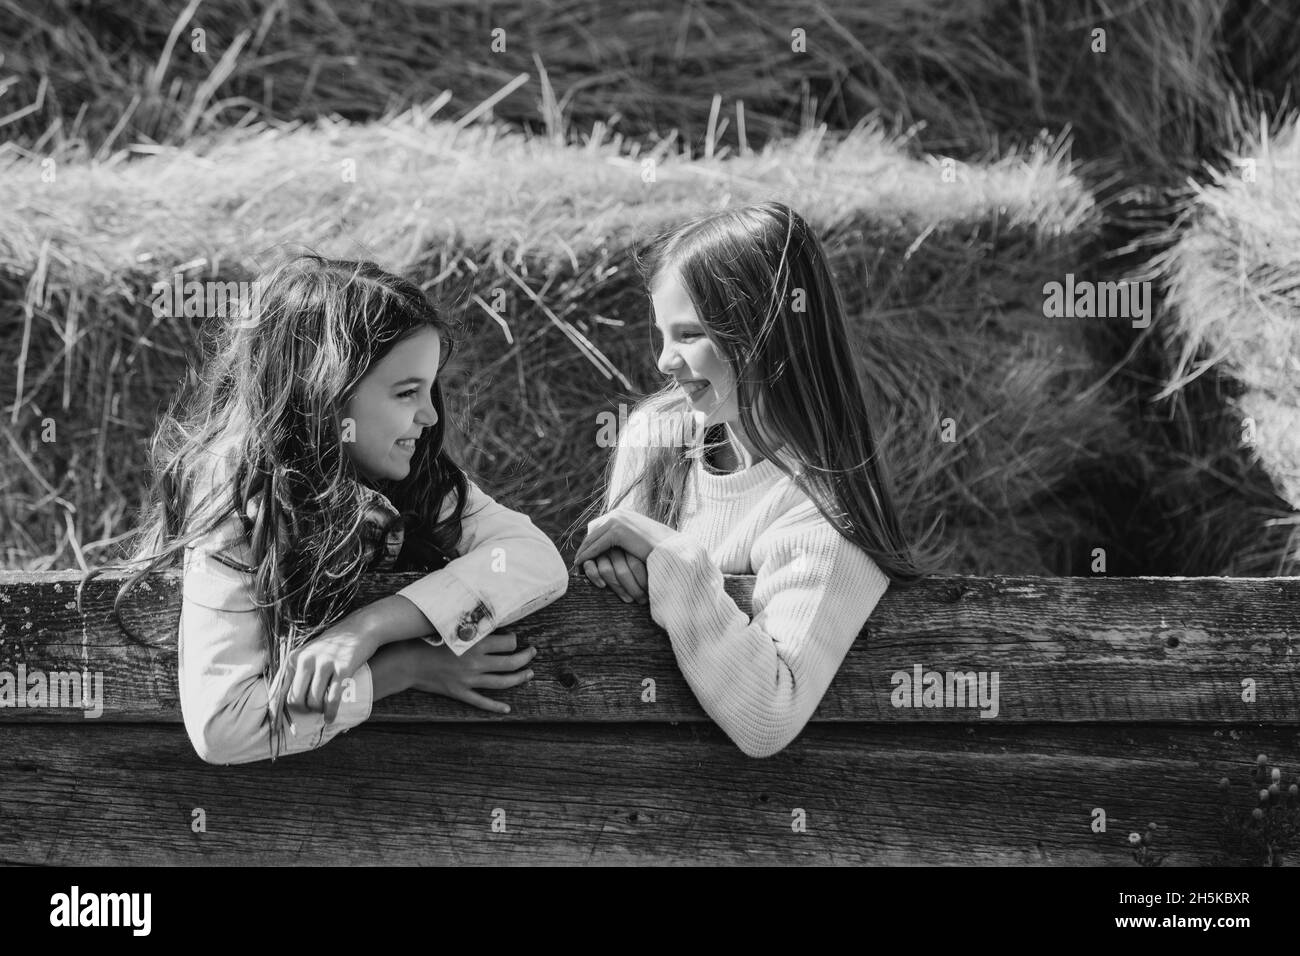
[780, 477]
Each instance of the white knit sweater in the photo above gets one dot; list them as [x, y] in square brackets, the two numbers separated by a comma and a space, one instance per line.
[760, 679]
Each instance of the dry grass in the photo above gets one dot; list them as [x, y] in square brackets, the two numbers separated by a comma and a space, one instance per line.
[971, 76]
[943, 282]
[169, 159]
[1233, 290]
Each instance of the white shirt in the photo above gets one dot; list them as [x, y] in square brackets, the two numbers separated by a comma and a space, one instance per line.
[506, 568]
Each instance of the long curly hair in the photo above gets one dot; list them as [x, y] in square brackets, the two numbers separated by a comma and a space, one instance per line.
[257, 435]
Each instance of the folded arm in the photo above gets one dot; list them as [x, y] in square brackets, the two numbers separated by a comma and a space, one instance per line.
[761, 679]
[506, 568]
[222, 658]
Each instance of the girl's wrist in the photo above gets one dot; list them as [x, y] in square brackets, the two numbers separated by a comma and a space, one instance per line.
[390, 620]
[390, 671]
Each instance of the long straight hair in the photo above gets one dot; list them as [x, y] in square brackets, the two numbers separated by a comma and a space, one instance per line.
[759, 280]
[258, 436]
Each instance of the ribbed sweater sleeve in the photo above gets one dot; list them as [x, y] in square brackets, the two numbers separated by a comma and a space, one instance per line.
[761, 679]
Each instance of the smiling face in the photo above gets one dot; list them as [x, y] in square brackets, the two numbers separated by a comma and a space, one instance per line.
[392, 405]
[703, 373]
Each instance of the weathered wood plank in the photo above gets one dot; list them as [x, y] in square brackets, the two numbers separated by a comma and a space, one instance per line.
[632, 793]
[1065, 649]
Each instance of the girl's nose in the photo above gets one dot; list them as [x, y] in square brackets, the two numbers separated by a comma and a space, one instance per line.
[668, 361]
[428, 415]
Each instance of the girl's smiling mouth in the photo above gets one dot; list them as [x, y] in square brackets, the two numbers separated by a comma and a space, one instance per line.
[406, 444]
[694, 388]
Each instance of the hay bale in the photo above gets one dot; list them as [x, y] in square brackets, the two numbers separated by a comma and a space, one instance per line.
[943, 282]
[1233, 277]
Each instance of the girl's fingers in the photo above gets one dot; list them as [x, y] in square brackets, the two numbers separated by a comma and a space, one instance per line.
[501, 642]
[484, 703]
[589, 568]
[502, 681]
[618, 558]
[509, 662]
[606, 568]
[640, 573]
[594, 544]
[333, 697]
[300, 684]
[319, 685]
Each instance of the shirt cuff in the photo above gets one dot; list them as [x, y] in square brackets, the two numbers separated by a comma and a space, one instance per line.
[458, 615]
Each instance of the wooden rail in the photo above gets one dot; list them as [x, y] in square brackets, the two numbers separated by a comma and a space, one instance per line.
[1128, 696]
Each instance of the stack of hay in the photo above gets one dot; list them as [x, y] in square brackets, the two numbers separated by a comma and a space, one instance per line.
[528, 241]
[1233, 278]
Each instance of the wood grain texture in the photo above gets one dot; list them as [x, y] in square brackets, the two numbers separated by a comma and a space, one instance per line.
[635, 793]
[1066, 650]
[1116, 694]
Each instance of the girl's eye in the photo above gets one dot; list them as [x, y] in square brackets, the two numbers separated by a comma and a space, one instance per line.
[409, 391]
[689, 336]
